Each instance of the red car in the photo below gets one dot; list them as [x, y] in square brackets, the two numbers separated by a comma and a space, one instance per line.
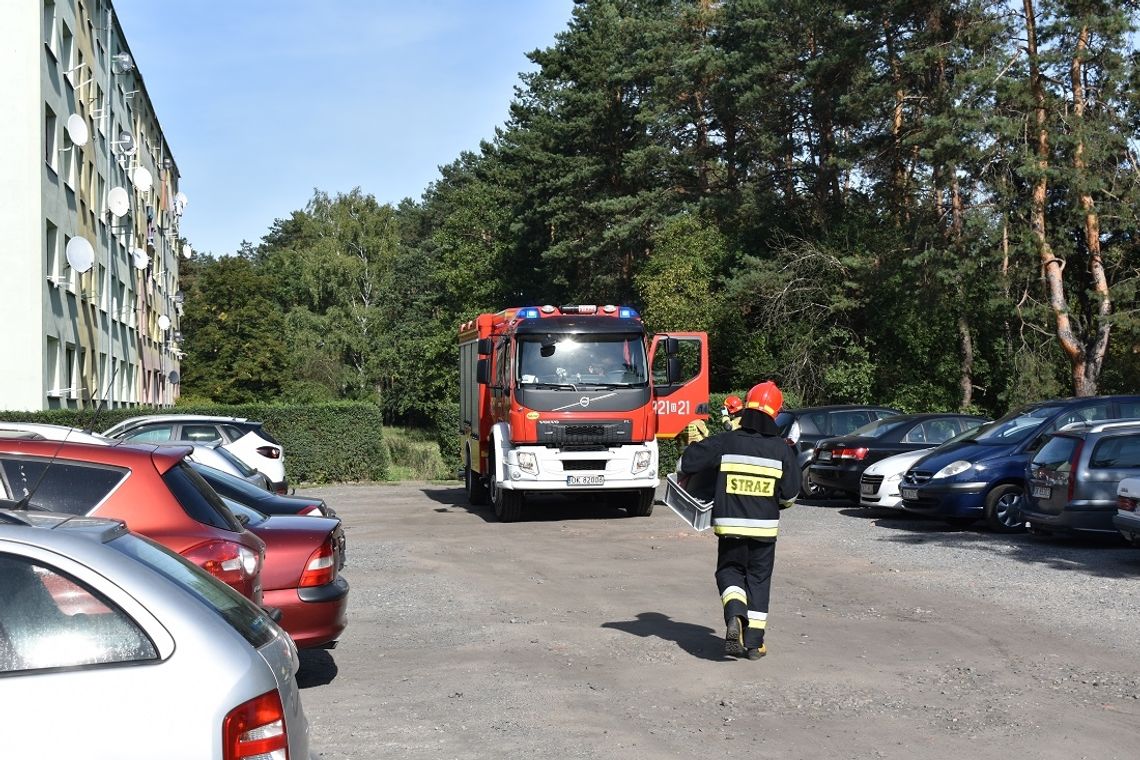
[152, 488]
[301, 575]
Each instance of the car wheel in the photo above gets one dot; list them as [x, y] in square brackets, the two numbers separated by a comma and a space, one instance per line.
[477, 495]
[508, 504]
[808, 489]
[641, 503]
[1003, 509]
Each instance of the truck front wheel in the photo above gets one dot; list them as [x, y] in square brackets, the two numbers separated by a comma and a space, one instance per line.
[641, 503]
[508, 504]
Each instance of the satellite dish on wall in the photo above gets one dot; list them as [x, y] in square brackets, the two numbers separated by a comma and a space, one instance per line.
[164, 323]
[181, 199]
[187, 251]
[174, 377]
[142, 179]
[126, 144]
[77, 130]
[118, 202]
[140, 258]
[80, 255]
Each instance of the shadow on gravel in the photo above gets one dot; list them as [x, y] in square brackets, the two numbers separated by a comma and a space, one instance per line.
[1105, 556]
[535, 509]
[318, 668]
[698, 640]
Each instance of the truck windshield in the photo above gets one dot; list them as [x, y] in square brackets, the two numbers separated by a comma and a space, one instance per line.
[609, 360]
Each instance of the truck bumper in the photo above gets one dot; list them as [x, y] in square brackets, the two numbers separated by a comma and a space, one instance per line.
[616, 468]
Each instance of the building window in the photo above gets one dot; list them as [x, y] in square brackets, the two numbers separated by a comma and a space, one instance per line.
[51, 138]
[48, 28]
[69, 371]
[51, 363]
[51, 249]
[66, 48]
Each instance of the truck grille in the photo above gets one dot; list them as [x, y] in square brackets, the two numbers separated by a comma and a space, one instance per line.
[583, 464]
[556, 433]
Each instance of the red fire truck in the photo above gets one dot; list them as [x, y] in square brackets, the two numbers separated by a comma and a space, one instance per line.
[572, 399]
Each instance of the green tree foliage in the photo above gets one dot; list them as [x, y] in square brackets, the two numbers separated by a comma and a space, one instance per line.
[852, 198]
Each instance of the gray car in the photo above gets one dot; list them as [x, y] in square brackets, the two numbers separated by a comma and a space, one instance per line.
[1073, 478]
[112, 647]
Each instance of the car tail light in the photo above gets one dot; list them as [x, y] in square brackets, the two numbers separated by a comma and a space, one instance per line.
[314, 510]
[321, 567]
[229, 562]
[269, 452]
[1071, 476]
[256, 730]
[1126, 503]
[857, 454]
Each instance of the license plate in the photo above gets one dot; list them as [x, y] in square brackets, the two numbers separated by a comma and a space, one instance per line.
[867, 489]
[909, 494]
[824, 456]
[585, 480]
[1042, 492]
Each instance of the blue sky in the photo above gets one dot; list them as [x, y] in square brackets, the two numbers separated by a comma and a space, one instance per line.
[264, 101]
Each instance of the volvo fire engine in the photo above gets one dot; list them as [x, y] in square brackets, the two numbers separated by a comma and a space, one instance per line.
[572, 400]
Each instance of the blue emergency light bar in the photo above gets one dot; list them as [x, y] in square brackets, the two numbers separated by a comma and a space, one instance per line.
[534, 312]
[530, 312]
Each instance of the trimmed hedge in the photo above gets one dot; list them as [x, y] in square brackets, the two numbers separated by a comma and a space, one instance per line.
[339, 441]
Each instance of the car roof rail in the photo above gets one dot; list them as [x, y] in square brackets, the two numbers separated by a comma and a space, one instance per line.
[1097, 427]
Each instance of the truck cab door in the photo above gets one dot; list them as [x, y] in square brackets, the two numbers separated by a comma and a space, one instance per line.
[680, 365]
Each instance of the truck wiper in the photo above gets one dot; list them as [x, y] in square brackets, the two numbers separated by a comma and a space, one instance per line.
[556, 386]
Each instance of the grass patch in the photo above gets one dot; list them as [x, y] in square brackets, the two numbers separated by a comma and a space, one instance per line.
[415, 455]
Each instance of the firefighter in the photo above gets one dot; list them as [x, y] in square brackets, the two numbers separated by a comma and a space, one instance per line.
[730, 412]
[756, 478]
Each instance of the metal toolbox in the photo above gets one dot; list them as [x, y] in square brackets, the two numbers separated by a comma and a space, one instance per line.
[691, 509]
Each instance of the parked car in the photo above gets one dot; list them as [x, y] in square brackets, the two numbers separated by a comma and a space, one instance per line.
[153, 488]
[263, 501]
[1074, 477]
[982, 475]
[1127, 517]
[838, 463]
[301, 575]
[214, 455]
[879, 484]
[249, 440]
[46, 432]
[804, 427]
[114, 648]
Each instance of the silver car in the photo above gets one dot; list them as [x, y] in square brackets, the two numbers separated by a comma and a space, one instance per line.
[1073, 478]
[112, 647]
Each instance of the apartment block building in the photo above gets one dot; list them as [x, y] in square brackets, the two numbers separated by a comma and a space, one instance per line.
[89, 209]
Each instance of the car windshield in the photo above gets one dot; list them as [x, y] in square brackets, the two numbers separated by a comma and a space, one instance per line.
[1013, 427]
[565, 359]
[878, 428]
[245, 617]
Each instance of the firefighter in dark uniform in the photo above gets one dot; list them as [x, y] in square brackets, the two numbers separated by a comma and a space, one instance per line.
[756, 477]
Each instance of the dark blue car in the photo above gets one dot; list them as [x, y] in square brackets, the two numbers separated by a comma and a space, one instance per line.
[982, 476]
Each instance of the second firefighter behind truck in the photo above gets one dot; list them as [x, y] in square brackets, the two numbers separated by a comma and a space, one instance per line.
[756, 477]
[730, 412]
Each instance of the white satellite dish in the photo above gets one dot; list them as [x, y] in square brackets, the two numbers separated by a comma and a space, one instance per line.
[164, 323]
[77, 130]
[187, 251]
[174, 377]
[80, 255]
[140, 258]
[142, 179]
[126, 144]
[181, 198]
[118, 202]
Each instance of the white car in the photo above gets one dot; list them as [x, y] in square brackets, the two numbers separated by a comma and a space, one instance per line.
[1127, 518]
[879, 483]
[48, 432]
[114, 648]
[220, 458]
[247, 440]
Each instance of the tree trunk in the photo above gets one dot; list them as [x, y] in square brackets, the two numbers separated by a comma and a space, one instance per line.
[1052, 268]
[1099, 336]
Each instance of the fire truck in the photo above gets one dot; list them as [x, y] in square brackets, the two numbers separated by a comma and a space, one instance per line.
[572, 400]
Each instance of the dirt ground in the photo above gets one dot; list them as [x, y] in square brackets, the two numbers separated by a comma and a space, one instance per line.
[582, 633]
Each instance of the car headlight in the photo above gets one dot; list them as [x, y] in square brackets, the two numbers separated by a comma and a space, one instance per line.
[641, 460]
[954, 468]
[528, 462]
[894, 478]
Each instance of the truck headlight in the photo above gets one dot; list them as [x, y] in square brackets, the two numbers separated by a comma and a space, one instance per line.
[641, 460]
[528, 462]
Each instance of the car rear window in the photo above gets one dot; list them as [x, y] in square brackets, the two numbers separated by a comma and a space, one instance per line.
[236, 463]
[198, 499]
[1057, 453]
[229, 482]
[1116, 452]
[61, 486]
[243, 615]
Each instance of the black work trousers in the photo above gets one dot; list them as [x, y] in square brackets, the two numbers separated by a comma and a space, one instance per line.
[744, 579]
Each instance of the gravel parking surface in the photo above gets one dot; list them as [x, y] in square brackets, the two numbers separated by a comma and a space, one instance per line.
[581, 633]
